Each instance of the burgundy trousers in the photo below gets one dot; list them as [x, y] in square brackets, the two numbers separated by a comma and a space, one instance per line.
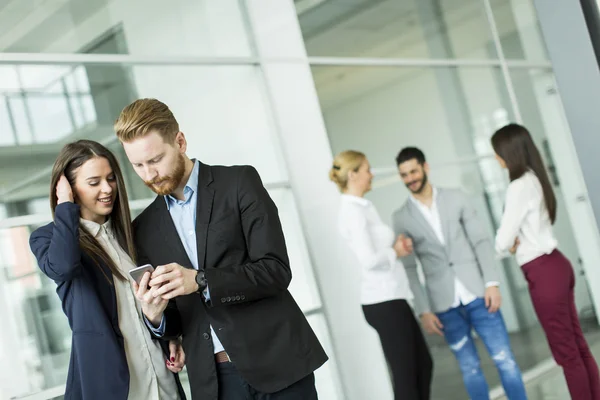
[551, 286]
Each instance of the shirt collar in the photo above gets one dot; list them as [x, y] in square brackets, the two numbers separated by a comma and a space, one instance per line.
[355, 199]
[190, 187]
[94, 228]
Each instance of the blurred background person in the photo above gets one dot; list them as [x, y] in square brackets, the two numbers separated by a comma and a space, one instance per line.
[385, 288]
[461, 282]
[526, 231]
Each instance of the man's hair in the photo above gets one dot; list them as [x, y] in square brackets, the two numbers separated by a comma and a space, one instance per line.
[410, 153]
[144, 116]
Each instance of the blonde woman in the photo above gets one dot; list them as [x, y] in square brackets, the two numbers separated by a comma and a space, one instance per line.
[384, 289]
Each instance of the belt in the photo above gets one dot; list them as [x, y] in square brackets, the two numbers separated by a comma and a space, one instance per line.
[222, 357]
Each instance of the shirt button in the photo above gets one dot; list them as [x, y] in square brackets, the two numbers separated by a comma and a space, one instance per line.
[190, 233]
[206, 336]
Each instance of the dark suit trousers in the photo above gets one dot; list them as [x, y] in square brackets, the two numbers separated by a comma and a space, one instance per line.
[404, 348]
[233, 387]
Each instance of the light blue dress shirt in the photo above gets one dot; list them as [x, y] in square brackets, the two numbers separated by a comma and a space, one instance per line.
[183, 214]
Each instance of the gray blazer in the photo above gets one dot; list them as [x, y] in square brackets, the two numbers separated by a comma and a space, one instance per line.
[468, 253]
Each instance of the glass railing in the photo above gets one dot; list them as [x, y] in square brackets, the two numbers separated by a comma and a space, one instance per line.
[43, 103]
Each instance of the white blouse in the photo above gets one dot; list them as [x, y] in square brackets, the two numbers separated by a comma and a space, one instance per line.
[149, 378]
[383, 274]
[526, 217]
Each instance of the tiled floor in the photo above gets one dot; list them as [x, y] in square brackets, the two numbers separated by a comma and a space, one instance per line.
[552, 385]
[530, 349]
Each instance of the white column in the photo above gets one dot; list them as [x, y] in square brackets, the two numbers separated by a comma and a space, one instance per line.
[356, 347]
[575, 65]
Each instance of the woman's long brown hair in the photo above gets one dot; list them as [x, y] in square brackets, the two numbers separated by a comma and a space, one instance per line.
[70, 159]
[513, 143]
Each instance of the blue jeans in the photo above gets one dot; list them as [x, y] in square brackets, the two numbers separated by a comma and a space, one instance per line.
[458, 323]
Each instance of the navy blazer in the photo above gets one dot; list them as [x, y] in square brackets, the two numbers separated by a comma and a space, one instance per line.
[98, 367]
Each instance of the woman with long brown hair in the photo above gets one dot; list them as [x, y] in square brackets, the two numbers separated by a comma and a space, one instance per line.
[88, 250]
[526, 231]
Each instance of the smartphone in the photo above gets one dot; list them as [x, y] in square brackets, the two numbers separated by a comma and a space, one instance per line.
[138, 272]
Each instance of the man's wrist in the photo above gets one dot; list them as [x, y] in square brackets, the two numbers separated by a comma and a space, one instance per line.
[155, 320]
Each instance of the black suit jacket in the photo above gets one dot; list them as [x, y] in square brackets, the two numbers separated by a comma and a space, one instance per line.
[242, 250]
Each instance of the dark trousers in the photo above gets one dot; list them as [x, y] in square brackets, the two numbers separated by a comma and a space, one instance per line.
[233, 387]
[404, 348]
[551, 286]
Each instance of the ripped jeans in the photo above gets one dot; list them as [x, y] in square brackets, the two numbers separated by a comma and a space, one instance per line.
[458, 323]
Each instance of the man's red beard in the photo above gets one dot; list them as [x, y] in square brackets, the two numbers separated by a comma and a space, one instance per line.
[165, 185]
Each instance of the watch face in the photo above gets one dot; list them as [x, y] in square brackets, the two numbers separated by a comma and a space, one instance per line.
[200, 280]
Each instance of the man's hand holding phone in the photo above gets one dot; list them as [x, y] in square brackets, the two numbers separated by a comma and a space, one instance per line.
[152, 306]
[172, 280]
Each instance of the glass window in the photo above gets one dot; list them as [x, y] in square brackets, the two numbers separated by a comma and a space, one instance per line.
[40, 205]
[154, 27]
[519, 30]
[41, 77]
[32, 318]
[397, 29]
[45, 103]
[50, 117]
[7, 136]
[379, 110]
[77, 87]
[9, 79]
[221, 109]
[17, 107]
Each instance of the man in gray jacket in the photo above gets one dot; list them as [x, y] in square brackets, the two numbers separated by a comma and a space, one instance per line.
[461, 284]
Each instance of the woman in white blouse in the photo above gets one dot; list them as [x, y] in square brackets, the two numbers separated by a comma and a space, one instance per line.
[526, 229]
[88, 250]
[384, 289]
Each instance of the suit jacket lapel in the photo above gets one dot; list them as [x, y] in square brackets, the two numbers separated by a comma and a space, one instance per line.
[420, 218]
[167, 228]
[204, 205]
[443, 211]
